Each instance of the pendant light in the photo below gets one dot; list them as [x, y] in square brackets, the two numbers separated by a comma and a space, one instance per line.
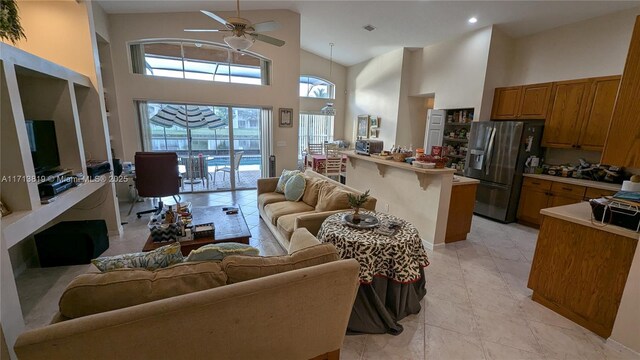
[328, 109]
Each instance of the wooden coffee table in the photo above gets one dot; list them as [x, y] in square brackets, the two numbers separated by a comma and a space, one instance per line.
[228, 228]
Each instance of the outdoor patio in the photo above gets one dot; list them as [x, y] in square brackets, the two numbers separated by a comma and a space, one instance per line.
[246, 178]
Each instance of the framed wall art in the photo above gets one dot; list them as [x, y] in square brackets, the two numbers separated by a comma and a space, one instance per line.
[286, 117]
[363, 126]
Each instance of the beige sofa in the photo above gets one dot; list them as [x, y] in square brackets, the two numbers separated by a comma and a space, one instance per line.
[283, 307]
[322, 197]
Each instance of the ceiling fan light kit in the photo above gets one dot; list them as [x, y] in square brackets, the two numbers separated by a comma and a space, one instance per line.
[238, 42]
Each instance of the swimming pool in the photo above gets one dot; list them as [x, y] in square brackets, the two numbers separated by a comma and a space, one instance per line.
[224, 160]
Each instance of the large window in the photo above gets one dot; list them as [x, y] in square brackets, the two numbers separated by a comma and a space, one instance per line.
[315, 87]
[198, 61]
[314, 129]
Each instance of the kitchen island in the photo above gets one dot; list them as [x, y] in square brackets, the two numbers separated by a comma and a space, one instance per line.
[588, 272]
[420, 196]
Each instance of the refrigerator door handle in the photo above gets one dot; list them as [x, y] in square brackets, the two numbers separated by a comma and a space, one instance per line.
[490, 151]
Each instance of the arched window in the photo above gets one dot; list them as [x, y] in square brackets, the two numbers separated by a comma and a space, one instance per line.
[315, 87]
[190, 59]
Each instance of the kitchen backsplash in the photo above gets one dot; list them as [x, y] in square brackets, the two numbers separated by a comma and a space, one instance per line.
[570, 156]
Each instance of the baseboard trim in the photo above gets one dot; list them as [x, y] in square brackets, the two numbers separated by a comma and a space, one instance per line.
[616, 343]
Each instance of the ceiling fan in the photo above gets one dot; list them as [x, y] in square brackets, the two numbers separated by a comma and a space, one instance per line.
[244, 33]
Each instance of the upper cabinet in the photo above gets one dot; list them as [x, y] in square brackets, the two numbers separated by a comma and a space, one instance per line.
[521, 102]
[602, 99]
[568, 100]
[622, 147]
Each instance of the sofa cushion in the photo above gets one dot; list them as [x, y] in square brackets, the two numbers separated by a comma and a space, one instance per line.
[301, 239]
[275, 210]
[220, 251]
[159, 258]
[286, 223]
[332, 198]
[284, 177]
[95, 293]
[310, 196]
[269, 198]
[241, 268]
[294, 188]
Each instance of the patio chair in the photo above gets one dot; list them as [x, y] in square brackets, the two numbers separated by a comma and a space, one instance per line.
[227, 169]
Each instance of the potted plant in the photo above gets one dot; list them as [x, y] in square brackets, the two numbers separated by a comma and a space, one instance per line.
[356, 201]
[10, 28]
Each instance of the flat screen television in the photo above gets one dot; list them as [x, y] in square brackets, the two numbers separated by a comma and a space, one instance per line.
[43, 143]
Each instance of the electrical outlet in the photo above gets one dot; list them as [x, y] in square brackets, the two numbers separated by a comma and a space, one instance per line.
[386, 207]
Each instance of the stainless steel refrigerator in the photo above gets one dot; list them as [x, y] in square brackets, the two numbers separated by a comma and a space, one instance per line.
[497, 154]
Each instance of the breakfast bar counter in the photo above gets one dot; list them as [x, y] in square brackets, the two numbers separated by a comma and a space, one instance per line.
[420, 196]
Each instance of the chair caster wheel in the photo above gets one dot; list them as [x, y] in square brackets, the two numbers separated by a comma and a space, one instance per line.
[139, 216]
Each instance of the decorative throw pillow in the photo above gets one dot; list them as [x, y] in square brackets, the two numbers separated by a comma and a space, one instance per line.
[286, 175]
[159, 258]
[332, 198]
[294, 188]
[219, 251]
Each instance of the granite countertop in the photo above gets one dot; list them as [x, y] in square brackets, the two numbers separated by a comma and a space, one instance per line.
[461, 180]
[581, 182]
[581, 214]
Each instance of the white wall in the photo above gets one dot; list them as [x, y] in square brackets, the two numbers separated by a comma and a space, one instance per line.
[312, 64]
[594, 47]
[282, 93]
[373, 87]
[100, 21]
[453, 70]
[497, 72]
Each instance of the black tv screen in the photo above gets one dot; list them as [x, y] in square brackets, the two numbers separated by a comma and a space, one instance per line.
[43, 143]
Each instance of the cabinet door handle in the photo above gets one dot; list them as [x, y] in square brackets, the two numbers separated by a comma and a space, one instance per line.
[535, 183]
[568, 189]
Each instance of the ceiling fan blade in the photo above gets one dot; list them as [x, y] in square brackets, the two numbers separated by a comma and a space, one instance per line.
[267, 39]
[214, 17]
[265, 26]
[204, 30]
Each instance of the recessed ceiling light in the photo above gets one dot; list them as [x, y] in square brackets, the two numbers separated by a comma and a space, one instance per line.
[473, 20]
[369, 27]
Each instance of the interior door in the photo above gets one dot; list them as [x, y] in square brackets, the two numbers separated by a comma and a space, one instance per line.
[435, 129]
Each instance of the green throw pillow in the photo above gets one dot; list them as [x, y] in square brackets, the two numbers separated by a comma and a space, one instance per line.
[219, 251]
[159, 258]
[286, 175]
[294, 188]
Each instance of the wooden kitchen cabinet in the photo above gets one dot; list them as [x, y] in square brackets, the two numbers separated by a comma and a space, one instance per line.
[537, 194]
[566, 110]
[622, 147]
[505, 103]
[534, 101]
[602, 98]
[521, 102]
[593, 193]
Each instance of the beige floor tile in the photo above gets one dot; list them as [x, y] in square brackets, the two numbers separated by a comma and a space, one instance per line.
[445, 344]
[536, 312]
[480, 278]
[564, 343]
[445, 269]
[505, 330]
[353, 347]
[509, 253]
[480, 263]
[495, 301]
[450, 316]
[610, 349]
[495, 351]
[444, 288]
[409, 345]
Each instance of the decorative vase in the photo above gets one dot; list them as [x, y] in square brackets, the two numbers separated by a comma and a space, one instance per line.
[356, 215]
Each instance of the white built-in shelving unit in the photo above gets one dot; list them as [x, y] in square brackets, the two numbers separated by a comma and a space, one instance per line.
[32, 88]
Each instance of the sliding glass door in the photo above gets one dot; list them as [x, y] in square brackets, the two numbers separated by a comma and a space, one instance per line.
[219, 147]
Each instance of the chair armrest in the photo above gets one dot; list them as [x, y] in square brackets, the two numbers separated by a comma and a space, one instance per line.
[266, 185]
[313, 221]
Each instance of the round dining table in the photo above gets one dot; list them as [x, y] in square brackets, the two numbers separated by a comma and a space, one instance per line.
[392, 281]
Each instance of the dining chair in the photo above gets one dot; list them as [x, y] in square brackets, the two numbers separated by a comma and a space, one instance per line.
[333, 166]
[227, 169]
[312, 149]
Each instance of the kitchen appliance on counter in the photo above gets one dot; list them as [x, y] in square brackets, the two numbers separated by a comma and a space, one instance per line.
[368, 147]
[497, 154]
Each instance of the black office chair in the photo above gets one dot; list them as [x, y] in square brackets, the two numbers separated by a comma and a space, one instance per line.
[156, 176]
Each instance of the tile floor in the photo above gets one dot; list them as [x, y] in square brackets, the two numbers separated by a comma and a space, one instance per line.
[477, 304]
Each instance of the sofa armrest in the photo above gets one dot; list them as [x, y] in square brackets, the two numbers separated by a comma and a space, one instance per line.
[266, 185]
[313, 221]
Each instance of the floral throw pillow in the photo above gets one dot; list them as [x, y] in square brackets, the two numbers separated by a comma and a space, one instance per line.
[286, 175]
[159, 258]
[219, 251]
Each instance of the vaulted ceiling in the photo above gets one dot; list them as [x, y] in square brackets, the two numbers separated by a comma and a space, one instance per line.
[398, 23]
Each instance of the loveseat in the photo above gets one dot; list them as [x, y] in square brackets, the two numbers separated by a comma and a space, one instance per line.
[294, 306]
[322, 197]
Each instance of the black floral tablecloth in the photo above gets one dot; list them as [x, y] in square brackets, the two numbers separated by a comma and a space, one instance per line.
[398, 257]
